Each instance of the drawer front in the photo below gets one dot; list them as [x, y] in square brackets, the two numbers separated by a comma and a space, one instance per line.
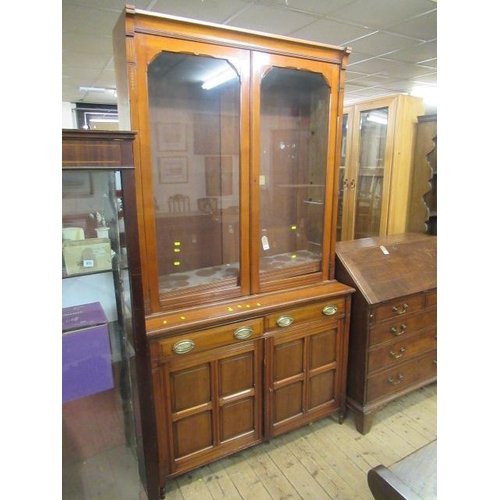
[325, 309]
[211, 338]
[398, 308]
[401, 351]
[431, 298]
[394, 380]
[402, 327]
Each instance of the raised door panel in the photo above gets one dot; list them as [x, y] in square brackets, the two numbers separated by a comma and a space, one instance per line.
[303, 382]
[213, 404]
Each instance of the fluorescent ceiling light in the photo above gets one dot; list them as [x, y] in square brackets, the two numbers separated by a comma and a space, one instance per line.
[93, 89]
[104, 120]
[219, 79]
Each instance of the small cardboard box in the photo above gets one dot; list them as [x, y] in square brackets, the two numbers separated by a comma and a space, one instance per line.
[86, 352]
[83, 256]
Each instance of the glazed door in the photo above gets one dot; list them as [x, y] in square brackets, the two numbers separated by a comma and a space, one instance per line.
[196, 211]
[291, 137]
[365, 176]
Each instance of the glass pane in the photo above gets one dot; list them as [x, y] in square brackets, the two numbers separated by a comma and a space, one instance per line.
[373, 135]
[101, 441]
[293, 138]
[343, 154]
[195, 154]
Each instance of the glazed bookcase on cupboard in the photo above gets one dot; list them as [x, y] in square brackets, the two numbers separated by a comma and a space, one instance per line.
[247, 327]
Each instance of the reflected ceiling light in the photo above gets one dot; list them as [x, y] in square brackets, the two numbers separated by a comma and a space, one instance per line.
[219, 79]
[375, 118]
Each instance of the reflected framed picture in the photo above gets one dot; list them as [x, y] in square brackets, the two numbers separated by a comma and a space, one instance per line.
[171, 136]
[173, 169]
[77, 185]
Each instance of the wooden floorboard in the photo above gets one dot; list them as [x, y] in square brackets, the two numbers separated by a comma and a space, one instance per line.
[323, 460]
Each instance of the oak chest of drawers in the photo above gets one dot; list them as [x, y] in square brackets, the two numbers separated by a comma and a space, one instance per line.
[393, 336]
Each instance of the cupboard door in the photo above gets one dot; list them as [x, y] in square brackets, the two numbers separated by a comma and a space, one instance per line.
[292, 138]
[195, 211]
[303, 378]
[212, 405]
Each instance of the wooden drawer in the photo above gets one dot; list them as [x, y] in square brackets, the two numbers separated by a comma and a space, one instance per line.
[431, 298]
[421, 369]
[401, 351]
[320, 310]
[211, 338]
[402, 327]
[397, 308]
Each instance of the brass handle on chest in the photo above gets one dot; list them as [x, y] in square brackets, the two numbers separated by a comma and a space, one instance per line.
[284, 321]
[393, 381]
[399, 332]
[183, 346]
[396, 355]
[401, 310]
[330, 310]
[243, 332]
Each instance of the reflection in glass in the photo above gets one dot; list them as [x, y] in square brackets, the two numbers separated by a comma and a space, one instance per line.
[342, 177]
[293, 156]
[194, 106]
[101, 438]
[373, 135]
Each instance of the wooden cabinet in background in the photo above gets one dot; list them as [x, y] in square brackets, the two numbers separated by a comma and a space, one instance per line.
[247, 326]
[422, 211]
[393, 341]
[378, 138]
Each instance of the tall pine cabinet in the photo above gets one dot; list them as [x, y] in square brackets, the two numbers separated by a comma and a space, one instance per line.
[378, 138]
[237, 174]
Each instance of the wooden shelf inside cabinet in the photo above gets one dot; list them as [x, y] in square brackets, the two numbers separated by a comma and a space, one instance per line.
[393, 331]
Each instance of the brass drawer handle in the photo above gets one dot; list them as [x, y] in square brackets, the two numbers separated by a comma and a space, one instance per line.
[399, 332]
[330, 310]
[397, 381]
[284, 321]
[243, 332]
[396, 355]
[396, 309]
[183, 346]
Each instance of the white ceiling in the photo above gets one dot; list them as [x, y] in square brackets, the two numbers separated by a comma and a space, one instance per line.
[394, 42]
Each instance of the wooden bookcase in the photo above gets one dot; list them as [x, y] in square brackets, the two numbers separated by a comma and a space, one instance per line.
[247, 326]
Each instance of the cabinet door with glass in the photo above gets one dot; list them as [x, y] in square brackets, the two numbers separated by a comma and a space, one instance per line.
[376, 162]
[293, 169]
[195, 214]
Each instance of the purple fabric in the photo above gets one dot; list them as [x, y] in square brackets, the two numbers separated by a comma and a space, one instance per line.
[86, 352]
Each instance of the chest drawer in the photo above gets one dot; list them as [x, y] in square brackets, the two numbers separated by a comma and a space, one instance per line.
[211, 338]
[320, 310]
[402, 350]
[420, 369]
[402, 326]
[398, 308]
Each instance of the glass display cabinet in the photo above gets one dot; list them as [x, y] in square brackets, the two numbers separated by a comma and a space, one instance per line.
[237, 165]
[108, 426]
[376, 166]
